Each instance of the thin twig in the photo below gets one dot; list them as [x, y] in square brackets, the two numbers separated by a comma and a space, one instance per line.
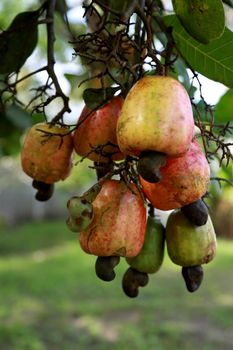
[51, 60]
[28, 76]
[219, 179]
[149, 40]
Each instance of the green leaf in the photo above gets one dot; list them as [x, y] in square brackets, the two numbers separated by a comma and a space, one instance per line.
[181, 70]
[228, 170]
[124, 7]
[61, 8]
[119, 76]
[73, 79]
[201, 107]
[197, 18]
[95, 98]
[14, 120]
[214, 60]
[224, 110]
[228, 2]
[18, 117]
[18, 41]
[11, 130]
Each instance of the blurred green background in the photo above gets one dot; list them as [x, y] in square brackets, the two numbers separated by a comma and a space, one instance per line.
[51, 298]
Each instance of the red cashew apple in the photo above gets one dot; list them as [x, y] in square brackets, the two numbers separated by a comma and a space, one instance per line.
[184, 180]
[156, 116]
[95, 137]
[119, 224]
[46, 153]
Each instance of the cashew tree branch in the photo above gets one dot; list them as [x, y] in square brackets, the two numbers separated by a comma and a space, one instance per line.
[51, 61]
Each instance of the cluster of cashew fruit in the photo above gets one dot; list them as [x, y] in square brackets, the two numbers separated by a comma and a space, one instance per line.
[147, 140]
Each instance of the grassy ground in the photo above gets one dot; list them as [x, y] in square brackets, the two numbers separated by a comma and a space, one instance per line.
[51, 299]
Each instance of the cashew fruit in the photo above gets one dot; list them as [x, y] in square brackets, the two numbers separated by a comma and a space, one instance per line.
[156, 116]
[95, 135]
[184, 180]
[119, 223]
[188, 244]
[150, 258]
[46, 153]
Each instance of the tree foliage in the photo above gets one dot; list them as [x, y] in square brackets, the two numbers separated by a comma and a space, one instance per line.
[118, 43]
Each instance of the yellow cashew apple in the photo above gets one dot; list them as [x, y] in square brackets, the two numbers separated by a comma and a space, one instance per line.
[156, 116]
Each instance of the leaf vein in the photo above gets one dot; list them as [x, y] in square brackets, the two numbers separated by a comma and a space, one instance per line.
[211, 58]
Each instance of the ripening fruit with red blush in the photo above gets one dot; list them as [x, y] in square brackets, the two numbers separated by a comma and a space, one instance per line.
[156, 116]
[46, 153]
[95, 136]
[119, 221]
[183, 180]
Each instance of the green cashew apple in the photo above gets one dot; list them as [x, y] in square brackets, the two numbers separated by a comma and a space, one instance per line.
[188, 244]
[79, 206]
[204, 20]
[81, 214]
[150, 258]
[72, 224]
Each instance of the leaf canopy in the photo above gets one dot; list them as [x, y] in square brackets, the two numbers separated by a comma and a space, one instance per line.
[214, 60]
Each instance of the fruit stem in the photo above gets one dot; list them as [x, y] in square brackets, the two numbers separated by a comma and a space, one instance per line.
[92, 193]
[151, 211]
[149, 165]
[102, 169]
